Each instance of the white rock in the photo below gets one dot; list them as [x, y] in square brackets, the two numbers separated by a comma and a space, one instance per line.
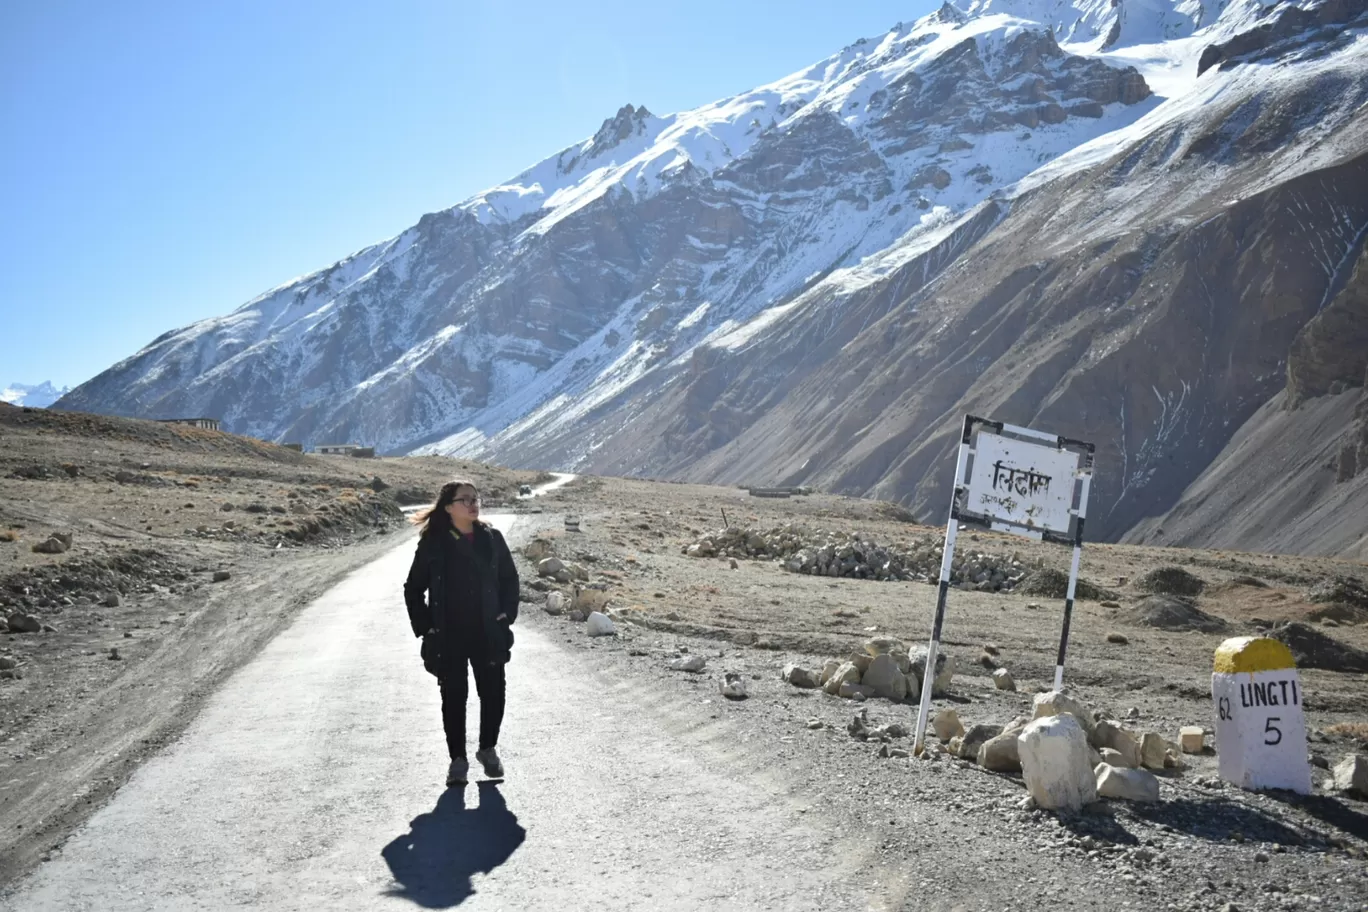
[1152, 749]
[884, 678]
[1054, 702]
[1351, 775]
[1130, 784]
[555, 603]
[829, 669]
[947, 725]
[861, 660]
[903, 661]
[1054, 762]
[1002, 680]
[689, 663]
[855, 692]
[734, 686]
[549, 566]
[1002, 753]
[799, 676]
[1192, 739]
[600, 625]
[1113, 757]
[1121, 740]
[845, 674]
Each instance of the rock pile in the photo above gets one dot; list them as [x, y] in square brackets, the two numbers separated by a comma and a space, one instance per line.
[852, 555]
[885, 669]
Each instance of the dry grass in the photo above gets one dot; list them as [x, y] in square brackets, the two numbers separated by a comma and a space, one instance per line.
[1355, 730]
[9, 535]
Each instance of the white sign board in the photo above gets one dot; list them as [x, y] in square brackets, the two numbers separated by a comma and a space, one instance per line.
[1031, 484]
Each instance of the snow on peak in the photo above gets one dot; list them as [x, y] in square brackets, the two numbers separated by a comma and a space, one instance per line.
[37, 396]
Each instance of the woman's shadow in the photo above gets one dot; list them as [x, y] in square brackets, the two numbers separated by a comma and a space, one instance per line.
[433, 862]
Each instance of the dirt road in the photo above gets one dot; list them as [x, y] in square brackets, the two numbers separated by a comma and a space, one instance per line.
[313, 779]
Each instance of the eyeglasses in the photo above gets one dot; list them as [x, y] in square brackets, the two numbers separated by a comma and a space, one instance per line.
[468, 501]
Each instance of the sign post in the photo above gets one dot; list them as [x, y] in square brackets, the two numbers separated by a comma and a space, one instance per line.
[1024, 482]
[1260, 726]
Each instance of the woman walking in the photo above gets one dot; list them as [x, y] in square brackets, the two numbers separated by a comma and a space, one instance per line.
[467, 573]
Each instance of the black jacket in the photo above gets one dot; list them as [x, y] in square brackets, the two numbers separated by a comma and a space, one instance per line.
[468, 586]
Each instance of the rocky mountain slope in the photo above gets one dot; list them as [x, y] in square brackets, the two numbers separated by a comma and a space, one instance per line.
[1108, 219]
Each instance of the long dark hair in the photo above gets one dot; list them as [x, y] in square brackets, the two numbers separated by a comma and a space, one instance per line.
[435, 518]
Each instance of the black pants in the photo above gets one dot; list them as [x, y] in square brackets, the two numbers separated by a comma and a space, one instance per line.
[490, 685]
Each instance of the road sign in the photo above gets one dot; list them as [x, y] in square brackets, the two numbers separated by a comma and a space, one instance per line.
[1260, 726]
[1017, 480]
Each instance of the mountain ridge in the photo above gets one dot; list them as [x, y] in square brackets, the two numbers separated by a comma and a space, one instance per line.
[670, 295]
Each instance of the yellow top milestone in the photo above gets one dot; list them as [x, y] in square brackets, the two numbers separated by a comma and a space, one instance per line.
[1252, 654]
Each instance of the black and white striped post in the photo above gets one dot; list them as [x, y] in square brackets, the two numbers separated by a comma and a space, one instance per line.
[1028, 483]
[1079, 513]
[947, 558]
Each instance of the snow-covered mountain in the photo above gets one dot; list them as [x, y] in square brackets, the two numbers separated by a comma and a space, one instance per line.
[1108, 217]
[40, 396]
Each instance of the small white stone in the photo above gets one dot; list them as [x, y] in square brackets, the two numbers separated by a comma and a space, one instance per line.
[600, 625]
[1192, 739]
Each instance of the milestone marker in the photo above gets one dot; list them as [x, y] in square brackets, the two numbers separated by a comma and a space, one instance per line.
[1260, 725]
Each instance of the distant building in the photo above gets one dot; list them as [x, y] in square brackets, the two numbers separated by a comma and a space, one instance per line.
[336, 449]
[209, 424]
[363, 452]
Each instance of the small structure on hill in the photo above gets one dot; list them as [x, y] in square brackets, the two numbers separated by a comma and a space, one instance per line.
[209, 424]
[336, 449]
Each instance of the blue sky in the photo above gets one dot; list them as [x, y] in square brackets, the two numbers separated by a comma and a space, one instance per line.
[165, 162]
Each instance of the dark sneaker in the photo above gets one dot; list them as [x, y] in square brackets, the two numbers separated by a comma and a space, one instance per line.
[459, 772]
[489, 759]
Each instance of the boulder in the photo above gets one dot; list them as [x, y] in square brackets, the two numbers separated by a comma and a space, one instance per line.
[1113, 757]
[600, 625]
[1130, 784]
[855, 692]
[1054, 703]
[555, 603]
[829, 669]
[6, 663]
[1002, 680]
[976, 736]
[538, 550]
[1001, 754]
[222, 576]
[1054, 762]
[549, 566]
[1107, 734]
[799, 676]
[861, 660]
[1192, 738]
[691, 663]
[902, 660]
[884, 678]
[1351, 775]
[111, 600]
[913, 687]
[52, 545]
[24, 623]
[945, 670]
[1152, 751]
[847, 673]
[734, 686]
[946, 724]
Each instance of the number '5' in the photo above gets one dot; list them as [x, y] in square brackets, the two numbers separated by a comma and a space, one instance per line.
[1271, 729]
